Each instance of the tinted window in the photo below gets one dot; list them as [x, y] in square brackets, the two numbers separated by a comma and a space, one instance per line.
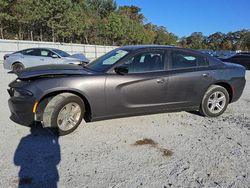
[145, 62]
[180, 60]
[35, 52]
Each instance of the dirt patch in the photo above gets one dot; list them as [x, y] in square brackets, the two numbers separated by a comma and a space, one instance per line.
[166, 152]
[152, 143]
[145, 141]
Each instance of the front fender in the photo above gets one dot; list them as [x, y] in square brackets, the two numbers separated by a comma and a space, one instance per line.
[88, 88]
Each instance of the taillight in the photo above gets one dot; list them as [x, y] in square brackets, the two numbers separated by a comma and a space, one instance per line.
[5, 57]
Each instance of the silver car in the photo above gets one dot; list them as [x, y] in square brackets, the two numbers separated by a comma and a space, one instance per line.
[40, 56]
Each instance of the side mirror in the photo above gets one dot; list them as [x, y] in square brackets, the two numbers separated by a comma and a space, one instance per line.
[55, 56]
[121, 70]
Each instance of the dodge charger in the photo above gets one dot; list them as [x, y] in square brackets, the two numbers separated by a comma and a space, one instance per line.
[128, 81]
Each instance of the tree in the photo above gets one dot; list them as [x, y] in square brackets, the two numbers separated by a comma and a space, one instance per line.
[40, 15]
[57, 13]
[163, 37]
[246, 41]
[183, 42]
[132, 12]
[226, 44]
[215, 40]
[5, 15]
[150, 33]
[102, 7]
[100, 22]
[195, 40]
[116, 27]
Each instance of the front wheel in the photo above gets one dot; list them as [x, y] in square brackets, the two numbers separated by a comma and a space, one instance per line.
[215, 101]
[64, 112]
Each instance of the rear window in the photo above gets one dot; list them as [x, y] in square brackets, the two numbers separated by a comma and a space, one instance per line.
[34, 52]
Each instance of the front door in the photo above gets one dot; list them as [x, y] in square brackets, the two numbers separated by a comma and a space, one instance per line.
[143, 89]
[46, 57]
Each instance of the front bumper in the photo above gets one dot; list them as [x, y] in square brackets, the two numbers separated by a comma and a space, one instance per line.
[21, 109]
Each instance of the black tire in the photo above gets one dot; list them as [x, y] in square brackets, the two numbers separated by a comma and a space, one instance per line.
[205, 110]
[56, 105]
[17, 67]
[248, 67]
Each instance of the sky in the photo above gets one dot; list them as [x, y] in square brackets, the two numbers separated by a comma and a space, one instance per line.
[183, 17]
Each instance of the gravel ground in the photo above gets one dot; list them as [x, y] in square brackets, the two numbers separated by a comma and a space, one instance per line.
[163, 150]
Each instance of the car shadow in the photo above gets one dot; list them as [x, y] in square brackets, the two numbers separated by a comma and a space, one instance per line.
[195, 113]
[38, 155]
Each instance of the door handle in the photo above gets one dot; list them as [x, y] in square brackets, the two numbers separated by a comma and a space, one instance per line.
[160, 81]
[205, 75]
[42, 59]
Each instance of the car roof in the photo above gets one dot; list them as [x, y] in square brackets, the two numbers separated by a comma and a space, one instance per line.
[137, 47]
[140, 47]
[46, 48]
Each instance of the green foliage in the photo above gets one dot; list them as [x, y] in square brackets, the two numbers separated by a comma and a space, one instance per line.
[163, 37]
[246, 42]
[238, 40]
[5, 16]
[132, 12]
[100, 22]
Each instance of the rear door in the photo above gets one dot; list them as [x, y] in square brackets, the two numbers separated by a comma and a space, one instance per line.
[143, 89]
[31, 57]
[189, 78]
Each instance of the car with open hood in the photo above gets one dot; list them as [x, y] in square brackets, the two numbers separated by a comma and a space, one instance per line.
[40, 56]
[128, 81]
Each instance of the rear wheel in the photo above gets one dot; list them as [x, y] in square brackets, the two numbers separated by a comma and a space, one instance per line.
[64, 112]
[17, 67]
[215, 101]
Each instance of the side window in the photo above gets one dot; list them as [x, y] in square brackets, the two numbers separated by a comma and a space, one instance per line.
[146, 62]
[46, 53]
[34, 52]
[182, 60]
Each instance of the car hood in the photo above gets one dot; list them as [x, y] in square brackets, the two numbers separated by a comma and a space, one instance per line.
[77, 57]
[53, 70]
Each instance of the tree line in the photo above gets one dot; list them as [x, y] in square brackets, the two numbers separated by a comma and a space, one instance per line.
[100, 22]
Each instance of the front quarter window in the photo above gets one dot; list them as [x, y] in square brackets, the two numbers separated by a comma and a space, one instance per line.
[106, 61]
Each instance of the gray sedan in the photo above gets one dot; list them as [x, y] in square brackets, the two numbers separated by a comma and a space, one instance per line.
[40, 56]
[128, 81]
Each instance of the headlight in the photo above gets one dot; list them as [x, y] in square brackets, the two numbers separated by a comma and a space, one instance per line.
[21, 92]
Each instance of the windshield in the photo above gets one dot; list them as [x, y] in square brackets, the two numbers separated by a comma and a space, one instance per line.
[61, 53]
[106, 61]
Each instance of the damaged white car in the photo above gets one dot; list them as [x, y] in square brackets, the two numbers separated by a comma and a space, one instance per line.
[40, 56]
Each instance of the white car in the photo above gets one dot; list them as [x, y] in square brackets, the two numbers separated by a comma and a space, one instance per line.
[40, 56]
